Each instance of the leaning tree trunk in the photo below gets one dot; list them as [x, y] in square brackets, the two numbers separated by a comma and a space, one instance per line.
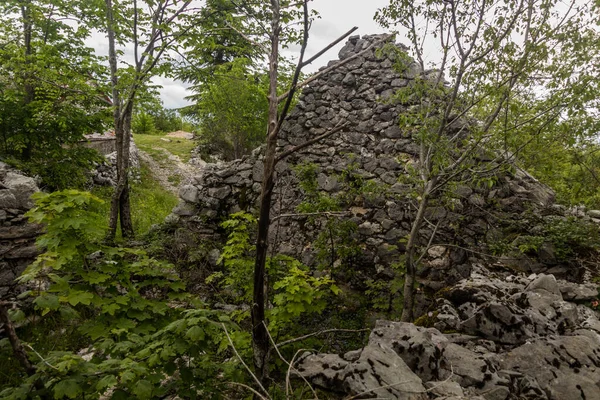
[260, 335]
[410, 275]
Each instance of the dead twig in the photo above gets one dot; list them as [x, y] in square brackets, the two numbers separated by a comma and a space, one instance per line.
[288, 386]
[244, 364]
[323, 332]
[310, 142]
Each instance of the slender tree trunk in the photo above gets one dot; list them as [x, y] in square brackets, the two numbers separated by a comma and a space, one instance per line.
[29, 89]
[260, 337]
[120, 210]
[411, 254]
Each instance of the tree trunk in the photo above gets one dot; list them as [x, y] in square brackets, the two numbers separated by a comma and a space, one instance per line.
[120, 210]
[411, 259]
[260, 336]
[29, 89]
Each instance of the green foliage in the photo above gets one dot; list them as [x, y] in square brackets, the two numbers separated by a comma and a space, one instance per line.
[568, 238]
[232, 110]
[571, 237]
[143, 124]
[50, 93]
[62, 168]
[386, 294]
[295, 292]
[298, 293]
[131, 308]
[237, 256]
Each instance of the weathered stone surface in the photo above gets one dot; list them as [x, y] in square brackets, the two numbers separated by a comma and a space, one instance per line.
[188, 193]
[381, 373]
[375, 371]
[566, 368]
[22, 187]
[17, 236]
[105, 173]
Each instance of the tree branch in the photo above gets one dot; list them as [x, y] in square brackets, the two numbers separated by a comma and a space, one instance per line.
[310, 142]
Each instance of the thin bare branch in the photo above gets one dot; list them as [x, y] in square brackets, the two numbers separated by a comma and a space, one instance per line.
[329, 46]
[243, 363]
[290, 367]
[336, 66]
[310, 142]
[323, 332]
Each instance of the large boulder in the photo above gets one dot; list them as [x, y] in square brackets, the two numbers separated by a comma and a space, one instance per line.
[498, 337]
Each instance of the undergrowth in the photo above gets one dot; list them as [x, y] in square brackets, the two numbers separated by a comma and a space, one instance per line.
[150, 202]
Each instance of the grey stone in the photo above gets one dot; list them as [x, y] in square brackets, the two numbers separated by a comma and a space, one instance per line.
[220, 192]
[544, 282]
[189, 193]
[8, 199]
[184, 209]
[258, 171]
[393, 132]
[349, 79]
[565, 368]
[21, 186]
[383, 374]
[578, 292]
[369, 228]
[594, 213]
[445, 388]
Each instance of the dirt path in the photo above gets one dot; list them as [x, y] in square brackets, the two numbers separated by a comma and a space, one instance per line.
[168, 173]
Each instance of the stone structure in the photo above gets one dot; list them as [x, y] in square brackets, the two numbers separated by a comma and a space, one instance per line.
[17, 236]
[105, 173]
[103, 143]
[496, 327]
[362, 169]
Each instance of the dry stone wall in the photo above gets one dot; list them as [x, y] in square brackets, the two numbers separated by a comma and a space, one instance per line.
[372, 152]
[17, 236]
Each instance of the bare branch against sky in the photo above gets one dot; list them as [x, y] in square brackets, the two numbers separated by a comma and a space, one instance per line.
[337, 16]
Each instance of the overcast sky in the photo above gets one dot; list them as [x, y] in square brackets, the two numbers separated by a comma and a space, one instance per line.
[337, 17]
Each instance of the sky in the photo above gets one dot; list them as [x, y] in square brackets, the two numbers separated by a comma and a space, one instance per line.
[337, 17]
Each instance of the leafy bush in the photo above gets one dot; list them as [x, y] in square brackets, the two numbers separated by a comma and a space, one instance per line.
[62, 168]
[143, 124]
[144, 340]
[294, 291]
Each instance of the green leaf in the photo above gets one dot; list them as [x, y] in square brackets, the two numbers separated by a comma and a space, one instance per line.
[47, 302]
[195, 333]
[106, 382]
[68, 388]
[143, 389]
[76, 297]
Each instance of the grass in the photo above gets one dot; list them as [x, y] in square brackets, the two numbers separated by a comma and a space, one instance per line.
[152, 144]
[150, 202]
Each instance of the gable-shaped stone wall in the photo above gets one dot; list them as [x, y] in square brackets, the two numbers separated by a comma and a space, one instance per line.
[372, 149]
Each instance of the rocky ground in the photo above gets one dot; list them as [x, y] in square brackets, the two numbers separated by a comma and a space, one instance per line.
[164, 172]
[493, 336]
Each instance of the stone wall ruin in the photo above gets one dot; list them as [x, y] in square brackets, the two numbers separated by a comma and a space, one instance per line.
[372, 150]
[17, 235]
